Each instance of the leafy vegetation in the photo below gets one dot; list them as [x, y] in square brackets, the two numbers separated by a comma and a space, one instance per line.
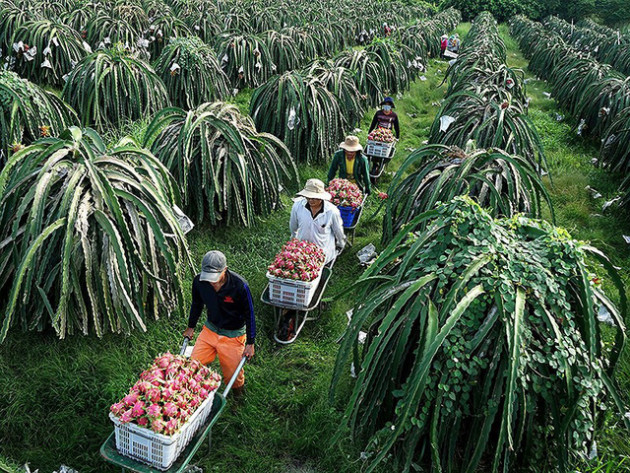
[301, 111]
[27, 112]
[59, 47]
[227, 170]
[486, 101]
[502, 184]
[89, 239]
[191, 73]
[111, 86]
[245, 59]
[468, 329]
[595, 94]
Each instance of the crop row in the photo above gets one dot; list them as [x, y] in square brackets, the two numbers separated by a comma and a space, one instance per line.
[595, 94]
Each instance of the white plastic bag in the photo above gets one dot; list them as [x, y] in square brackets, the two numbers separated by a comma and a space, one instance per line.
[445, 122]
[184, 222]
[367, 255]
[293, 119]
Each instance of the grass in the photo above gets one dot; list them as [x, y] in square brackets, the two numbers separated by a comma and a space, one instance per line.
[56, 394]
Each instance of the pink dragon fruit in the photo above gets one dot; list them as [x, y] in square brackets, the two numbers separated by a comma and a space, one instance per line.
[154, 395]
[157, 425]
[171, 427]
[117, 408]
[142, 387]
[171, 371]
[164, 360]
[154, 411]
[174, 386]
[130, 399]
[167, 394]
[126, 416]
[181, 378]
[138, 409]
[183, 416]
[170, 409]
[181, 402]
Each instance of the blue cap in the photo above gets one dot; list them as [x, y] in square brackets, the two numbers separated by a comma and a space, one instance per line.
[388, 100]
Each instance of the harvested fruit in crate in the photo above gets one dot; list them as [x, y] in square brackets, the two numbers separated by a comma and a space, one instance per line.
[298, 259]
[344, 193]
[167, 394]
[382, 135]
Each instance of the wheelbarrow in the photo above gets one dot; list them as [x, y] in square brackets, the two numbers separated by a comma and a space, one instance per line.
[378, 164]
[349, 230]
[301, 313]
[127, 464]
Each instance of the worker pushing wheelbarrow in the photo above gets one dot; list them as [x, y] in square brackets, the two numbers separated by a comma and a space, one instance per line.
[382, 136]
[229, 333]
[137, 449]
[315, 220]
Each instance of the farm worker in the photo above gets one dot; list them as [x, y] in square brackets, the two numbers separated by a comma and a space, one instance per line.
[315, 219]
[230, 327]
[351, 164]
[386, 30]
[386, 117]
[453, 43]
[443, 44]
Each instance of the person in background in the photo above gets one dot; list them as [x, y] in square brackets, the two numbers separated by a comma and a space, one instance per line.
[350, 164]
[230, 327]
[387, 31]
[443, 44]
[386, 117]
[453, 43]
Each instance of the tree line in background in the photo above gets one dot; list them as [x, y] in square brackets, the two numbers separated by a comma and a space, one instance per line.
[609, 11]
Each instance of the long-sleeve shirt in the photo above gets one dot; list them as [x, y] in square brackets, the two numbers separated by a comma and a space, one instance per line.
[360, 170]
[325, 229]
[386, 120]
[230, 311]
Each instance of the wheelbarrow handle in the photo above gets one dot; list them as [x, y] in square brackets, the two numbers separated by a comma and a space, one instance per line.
[234, 376]
[184, 345]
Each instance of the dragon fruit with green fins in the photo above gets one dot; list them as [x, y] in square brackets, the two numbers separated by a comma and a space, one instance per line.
[166, 394]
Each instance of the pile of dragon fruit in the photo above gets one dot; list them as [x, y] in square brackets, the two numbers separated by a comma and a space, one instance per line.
[298, 259]
[382, 135]
[167, 394]
[344, 193]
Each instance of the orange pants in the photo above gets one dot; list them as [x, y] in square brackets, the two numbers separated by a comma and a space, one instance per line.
[230, 350]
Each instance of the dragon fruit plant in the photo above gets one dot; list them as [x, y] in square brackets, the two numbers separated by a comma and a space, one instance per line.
[298, 259]
[344, 193]
[167, 394]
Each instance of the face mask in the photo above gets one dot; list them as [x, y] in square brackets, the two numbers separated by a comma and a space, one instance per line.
[387, 108]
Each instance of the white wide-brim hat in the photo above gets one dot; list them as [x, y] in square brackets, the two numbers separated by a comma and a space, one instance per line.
[351, 144]
[314, 189]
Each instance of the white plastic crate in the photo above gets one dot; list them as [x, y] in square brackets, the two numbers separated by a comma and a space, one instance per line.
[159, 450]
[378, 149]
[292, 293]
